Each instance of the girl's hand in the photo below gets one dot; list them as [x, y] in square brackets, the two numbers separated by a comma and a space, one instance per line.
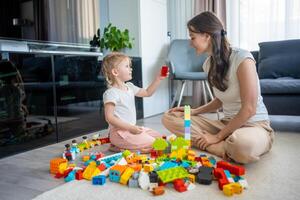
[136, 130]
[160, 77]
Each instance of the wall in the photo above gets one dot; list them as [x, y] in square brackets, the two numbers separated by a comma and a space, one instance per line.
[154, 43]
[147, 23]
[124, 14]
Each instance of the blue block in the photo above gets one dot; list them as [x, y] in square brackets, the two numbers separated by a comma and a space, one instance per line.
[227, 173]
[93, 157]
[167, 165]
[237, 178]
[185, 164]
[99, 180]
[187, 123]
[71, 176]
[212, 160]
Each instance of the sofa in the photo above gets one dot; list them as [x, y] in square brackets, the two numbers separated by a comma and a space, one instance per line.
[278, 67]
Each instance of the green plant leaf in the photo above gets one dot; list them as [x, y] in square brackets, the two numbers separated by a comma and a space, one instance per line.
[113, 38]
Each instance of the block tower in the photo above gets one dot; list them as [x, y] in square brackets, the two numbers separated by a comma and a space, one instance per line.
[187, 124]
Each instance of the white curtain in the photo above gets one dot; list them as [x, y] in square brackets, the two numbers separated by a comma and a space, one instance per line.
[73, 21]
[179, 13]
[252, 21]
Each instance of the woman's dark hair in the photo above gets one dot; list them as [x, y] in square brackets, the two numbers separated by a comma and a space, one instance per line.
[207, 22]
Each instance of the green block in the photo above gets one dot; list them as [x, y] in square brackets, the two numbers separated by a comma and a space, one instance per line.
[171, 174]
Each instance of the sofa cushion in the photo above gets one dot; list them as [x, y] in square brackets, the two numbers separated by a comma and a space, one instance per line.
[279, 59]
[285, 85]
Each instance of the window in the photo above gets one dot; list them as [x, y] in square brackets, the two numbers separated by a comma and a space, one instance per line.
[252, 21]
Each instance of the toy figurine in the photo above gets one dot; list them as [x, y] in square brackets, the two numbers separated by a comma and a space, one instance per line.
[74, 149]
[67, 153]
[95, 141]
[87, 145]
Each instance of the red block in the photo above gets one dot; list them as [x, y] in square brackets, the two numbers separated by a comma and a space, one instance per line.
[220, 175]
[59, 175]
[164, 70]
[101, 167]
[179, 185]
[153, 153]
[161, 183]
[78, 175]
[198, 159]
[66, 173]
[233, 169]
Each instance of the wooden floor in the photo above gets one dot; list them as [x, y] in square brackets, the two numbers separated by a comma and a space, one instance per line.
[26, 175]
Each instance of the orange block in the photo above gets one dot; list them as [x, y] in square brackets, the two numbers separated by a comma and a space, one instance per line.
[54, 164]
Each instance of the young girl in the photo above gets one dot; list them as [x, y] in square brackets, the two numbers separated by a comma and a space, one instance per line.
[119, 105]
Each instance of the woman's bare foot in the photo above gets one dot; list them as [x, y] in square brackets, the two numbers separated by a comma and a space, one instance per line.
[217, 149]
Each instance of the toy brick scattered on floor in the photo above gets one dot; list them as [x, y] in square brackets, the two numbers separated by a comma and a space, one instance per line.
[172, 161]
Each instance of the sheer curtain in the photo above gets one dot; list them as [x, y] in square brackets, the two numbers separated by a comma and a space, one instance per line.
[216, 6]
[179, 12]
[74, 21]
[252, 21]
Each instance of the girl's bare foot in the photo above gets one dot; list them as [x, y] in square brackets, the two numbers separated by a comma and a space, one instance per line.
[113, 148]
[116, 149]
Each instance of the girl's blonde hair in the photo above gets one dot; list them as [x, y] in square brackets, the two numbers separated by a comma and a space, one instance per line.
[110, 62]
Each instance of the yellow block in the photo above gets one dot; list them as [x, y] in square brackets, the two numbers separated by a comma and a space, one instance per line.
[187, 116]
[192, 178]
[126, 176]
[191, 158]
[232, 188]
[62, 167]
[148, 168]
[89, 171]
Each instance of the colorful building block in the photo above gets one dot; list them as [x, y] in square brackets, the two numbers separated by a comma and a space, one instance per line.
[232, 188]
[233, 169]
[159, 190]
[115, 173]
[54, 164]
[179, 185]
[126, 175]
[205, 175]
[99, 180]
[171, 174]
[220, 175]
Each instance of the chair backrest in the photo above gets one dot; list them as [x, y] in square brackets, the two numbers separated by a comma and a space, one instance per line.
[183, 58]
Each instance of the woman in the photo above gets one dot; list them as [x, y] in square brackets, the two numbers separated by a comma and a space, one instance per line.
[244, 134]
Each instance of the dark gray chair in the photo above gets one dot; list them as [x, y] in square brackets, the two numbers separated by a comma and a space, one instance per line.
[185, 65]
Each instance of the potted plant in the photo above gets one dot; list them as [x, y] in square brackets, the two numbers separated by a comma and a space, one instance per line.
[113, 39]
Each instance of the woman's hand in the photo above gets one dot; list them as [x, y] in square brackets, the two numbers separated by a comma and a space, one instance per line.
[181, 109]
[176, 109]
[207, 139]
[136, 130]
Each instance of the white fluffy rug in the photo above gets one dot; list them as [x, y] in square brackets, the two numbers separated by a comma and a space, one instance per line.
[84, 190]
[275, 176]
